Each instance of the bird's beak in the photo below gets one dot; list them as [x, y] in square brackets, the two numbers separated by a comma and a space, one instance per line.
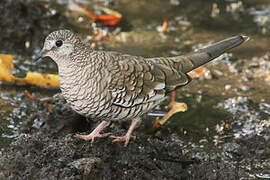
[40, 55]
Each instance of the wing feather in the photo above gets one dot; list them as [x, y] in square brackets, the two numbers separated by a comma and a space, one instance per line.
[135, 80]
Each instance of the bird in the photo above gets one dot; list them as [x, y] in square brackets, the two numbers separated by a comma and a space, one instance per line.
[109, 86]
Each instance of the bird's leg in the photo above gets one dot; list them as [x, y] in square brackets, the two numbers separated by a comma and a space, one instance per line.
[174, 108]
[96, 132]
[128, 135]
[173, 96]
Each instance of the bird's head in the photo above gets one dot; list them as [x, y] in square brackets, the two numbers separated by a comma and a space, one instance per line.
[59, 45]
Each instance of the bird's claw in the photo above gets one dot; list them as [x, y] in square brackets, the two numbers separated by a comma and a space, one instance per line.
[124, 138]
[91, 136]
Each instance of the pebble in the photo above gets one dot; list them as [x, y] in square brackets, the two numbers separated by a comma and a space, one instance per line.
[244, 88]
[85, 165]
[227, 87]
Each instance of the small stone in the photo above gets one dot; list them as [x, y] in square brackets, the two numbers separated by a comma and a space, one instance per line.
[85, 165]
[175, 2]
[217, 73]
[175, 52]
[231, 147]
[244, 88]
[80, 19]
[27, 44]
[245, 79]
[203, 141]
[227, 87]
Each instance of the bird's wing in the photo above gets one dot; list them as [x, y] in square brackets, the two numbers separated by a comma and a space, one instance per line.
[135, 80]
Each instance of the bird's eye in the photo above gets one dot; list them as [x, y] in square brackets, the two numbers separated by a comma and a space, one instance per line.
[59, 43]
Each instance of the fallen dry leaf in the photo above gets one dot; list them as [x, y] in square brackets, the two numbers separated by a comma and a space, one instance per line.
[28, 94]
[200, 73]
[165, 25]
[215, 10]
[107, 19]
[267, 78]
[39, 79]
[110, 17]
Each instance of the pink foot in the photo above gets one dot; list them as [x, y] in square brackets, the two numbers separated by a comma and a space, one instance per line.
[91, 136]
[124, 138]
[128, 135]
[95, 133]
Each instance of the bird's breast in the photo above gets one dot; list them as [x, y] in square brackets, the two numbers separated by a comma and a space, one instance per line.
[86, 91]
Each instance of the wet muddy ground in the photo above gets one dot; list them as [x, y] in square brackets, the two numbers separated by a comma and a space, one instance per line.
[223, 135]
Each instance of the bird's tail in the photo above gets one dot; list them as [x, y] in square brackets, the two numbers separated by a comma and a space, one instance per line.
[202, 56]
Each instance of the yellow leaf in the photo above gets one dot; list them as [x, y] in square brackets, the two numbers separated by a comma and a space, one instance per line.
[38, 79]
[5, 66]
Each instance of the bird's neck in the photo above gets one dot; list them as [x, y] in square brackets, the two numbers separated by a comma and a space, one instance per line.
[73, 73]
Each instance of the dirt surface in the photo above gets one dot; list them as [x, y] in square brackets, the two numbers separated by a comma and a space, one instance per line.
[41, 154]
[51, 151]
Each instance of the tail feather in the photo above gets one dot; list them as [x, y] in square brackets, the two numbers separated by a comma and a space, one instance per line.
[202, 56]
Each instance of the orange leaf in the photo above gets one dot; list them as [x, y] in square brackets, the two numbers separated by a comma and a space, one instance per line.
[28, 94]
[165, 25]
[108, 19]
[198, 72]
[111, 17]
